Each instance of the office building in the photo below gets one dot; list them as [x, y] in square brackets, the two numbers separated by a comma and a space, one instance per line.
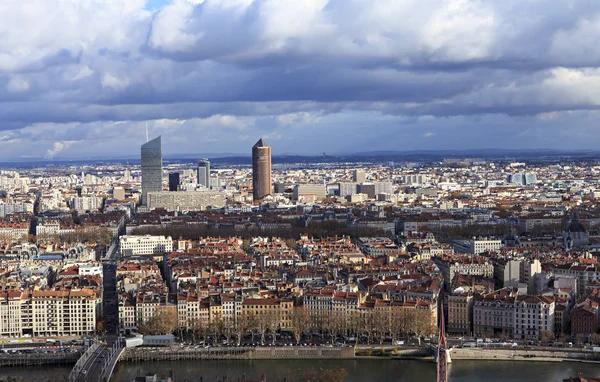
[174, 181]
[310, 192]
[146, 245]
[530, 178]
[347, 189]
[522, 179]
[203, 173]
[261, 170]
[151, 168]
[359, 176]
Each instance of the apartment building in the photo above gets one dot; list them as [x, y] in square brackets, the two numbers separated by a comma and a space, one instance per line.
[533, 314]
[62, 313]
[473, 266]
[584, 274]
[10, 313]
[460, 313]
[584, 318]
[493, 314]
[271, 308]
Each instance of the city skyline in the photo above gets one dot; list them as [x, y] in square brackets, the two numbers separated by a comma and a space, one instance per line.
[78, 88]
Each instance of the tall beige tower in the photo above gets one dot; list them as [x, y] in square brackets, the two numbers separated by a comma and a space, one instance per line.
[261, 170]
[359, 176]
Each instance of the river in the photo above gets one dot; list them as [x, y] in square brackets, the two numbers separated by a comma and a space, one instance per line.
[371, 370]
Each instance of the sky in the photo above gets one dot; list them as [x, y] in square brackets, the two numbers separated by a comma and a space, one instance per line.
[83, 78]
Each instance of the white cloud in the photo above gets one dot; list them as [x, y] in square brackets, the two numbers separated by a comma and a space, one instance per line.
[110, 81]
[17, 84]
[58, 147]
[220, 67]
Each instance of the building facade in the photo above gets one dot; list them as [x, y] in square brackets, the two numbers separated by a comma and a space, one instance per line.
[186, 200]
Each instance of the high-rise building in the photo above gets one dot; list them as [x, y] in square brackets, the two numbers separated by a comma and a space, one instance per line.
[522, 179]
[359, 176]
[203, 172]
[261, 170]
[151, 167]
[516, 178]
[174, 181]
[530, 178]
[347, 189]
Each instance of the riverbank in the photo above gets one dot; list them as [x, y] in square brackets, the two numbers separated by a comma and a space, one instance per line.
[259, 353]
[350, 353]
[39, 359]
[358, 370]
[525, 355]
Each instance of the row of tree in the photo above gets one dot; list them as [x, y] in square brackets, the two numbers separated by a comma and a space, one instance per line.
[370, 325]
[312, 229]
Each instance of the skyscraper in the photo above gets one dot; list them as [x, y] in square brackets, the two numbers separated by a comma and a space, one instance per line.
[261, 170]
[203, 172]
[174, 181]
[151, 167]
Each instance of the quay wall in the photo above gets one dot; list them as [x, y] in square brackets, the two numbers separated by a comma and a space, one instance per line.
[174, 353]
[39, 359]
[524, 355]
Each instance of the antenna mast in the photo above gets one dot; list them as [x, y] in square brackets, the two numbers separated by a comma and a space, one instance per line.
[147, 132]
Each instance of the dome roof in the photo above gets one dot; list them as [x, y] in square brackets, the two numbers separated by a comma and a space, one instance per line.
[575, 224]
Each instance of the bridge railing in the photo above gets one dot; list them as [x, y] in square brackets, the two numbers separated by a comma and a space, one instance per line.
[74, 374]
[114, 353]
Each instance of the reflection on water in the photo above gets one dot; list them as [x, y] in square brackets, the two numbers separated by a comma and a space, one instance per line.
[357, 370]
[36, 373]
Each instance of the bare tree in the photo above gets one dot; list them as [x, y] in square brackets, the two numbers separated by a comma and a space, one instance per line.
[300, 321]
[262, 325]
[164, 321]
[421, 324]
[381, 324]
[367, 326]
[546, 335]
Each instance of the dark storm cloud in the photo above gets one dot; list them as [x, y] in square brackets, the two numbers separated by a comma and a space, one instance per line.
[270, 67]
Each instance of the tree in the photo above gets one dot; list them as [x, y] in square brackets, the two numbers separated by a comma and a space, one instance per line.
[381, 323]
[595, 339]
[300, 321]
[395, 327]
[240, 325]
[164, 321]
[367, 324]
[546, 335]
[422, 323]
[262, 324]
[272, 324]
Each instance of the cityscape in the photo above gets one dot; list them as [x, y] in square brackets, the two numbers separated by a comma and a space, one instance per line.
[299, 191]
[483, 258]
